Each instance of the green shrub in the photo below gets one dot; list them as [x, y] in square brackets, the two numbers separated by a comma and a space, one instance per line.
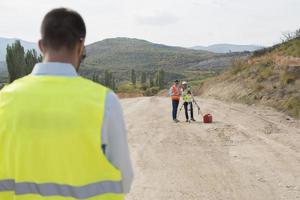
[258, 88]
[129, 88]
[151, 91]
[260, 78]
[197, 83]
[288, 78]
[292, 105]
[266, 72]
[144, 87]
[237, 66]
[246, 100]
[236, 69]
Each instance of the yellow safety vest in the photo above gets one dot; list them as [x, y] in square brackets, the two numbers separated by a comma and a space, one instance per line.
[186, 97]
[50, 147]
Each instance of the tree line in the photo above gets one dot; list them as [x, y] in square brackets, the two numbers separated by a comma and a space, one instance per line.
[144, 79]
[158, 80]
[108, 79]
[20, 63]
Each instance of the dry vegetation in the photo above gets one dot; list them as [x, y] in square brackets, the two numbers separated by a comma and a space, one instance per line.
[271, 78]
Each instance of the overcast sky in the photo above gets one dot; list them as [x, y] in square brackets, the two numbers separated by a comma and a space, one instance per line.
[173, 22]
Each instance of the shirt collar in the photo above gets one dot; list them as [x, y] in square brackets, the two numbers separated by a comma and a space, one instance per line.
[54, 69]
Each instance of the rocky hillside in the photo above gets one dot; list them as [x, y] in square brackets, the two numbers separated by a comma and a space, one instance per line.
[270, 77]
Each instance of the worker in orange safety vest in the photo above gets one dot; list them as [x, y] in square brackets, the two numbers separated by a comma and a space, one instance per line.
[175, 94]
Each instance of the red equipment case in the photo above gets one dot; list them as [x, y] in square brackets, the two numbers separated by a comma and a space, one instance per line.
[207, 118]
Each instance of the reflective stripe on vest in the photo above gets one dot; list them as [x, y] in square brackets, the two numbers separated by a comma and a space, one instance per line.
[50, 141]
[51, 189]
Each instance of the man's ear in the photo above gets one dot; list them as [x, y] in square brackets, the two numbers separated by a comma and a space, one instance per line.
[81, 47]
[41, 46]
[79, 50]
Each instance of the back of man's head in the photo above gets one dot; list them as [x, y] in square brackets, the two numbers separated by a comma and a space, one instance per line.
[62, 28]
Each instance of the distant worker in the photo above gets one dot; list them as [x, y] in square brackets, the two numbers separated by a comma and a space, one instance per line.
[175, 93]
[187, 97]
[62, 136]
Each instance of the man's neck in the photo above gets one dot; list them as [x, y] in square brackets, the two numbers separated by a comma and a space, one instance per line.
[60, 56]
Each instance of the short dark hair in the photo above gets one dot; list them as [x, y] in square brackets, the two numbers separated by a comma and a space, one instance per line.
[62, 28]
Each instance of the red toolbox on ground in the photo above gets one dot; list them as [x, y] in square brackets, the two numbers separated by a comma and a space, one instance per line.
[207, 118]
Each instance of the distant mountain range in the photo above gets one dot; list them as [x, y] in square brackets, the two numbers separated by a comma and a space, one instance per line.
[227, 48]
[2, 66]
[5, 41]
[3, 73]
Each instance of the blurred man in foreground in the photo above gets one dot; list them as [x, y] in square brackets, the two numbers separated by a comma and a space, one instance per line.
[62, 136]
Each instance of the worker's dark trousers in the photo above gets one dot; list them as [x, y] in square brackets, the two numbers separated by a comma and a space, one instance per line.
[175, 104]
[186, 107]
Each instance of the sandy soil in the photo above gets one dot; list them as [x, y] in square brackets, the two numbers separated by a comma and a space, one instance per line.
[248, 153]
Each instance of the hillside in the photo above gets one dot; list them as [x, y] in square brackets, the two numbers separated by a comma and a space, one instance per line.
[5, 41]
[127, 53]
[270, 77]
[227, 48]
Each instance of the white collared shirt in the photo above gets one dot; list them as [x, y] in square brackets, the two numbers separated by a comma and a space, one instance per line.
[114, 134]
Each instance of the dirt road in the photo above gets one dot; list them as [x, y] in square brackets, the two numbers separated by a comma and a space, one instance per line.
[248, 153]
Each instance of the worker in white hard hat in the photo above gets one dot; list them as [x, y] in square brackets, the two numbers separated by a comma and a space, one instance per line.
[187, 101]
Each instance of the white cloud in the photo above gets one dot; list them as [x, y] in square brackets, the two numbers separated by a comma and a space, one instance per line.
[158, 19]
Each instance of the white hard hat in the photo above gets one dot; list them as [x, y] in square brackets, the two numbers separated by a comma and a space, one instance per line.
[184, 83]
